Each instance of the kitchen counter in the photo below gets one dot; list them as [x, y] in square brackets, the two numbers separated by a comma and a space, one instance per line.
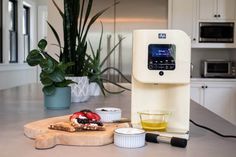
[24, 104]
[213, 80]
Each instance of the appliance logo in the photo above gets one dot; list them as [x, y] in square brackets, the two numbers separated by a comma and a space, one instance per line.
[162, 35]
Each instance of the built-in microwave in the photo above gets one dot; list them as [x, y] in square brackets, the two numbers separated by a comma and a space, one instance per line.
[218, 69]
[216, 32]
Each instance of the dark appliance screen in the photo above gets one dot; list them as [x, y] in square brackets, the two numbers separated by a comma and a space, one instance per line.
[161, 56]
[217, 68]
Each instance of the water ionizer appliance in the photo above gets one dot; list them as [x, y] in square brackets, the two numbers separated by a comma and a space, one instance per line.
[161, 77]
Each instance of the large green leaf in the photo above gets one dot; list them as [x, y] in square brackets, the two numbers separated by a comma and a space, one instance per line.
[49, 90]
[70, 24]
[80, 68]
[81, 17]
[94, 78]
[92, 50]
[57, 75]
[59, 10]
[42, 44]
[76, 9]
[48, 66]
[64, 66]
[48, 56]
[100, 45]
[88, 11]
[34, 58]
[43, 75]
[46, 81]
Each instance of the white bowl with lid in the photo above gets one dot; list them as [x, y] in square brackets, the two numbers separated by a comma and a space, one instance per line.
[129, 137]
[109, 114]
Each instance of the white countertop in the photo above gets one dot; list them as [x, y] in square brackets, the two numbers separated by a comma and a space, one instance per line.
[213, 80]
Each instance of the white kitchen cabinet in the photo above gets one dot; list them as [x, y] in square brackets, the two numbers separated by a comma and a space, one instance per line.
[197, 92]
[185, 15]
[218, 97]
[182, 16]
[216, 9]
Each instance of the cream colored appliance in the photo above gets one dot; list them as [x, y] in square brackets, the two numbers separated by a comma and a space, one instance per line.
[161, 76]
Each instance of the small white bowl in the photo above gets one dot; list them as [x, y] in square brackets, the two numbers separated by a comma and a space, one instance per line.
[109, 114]
[129, 137]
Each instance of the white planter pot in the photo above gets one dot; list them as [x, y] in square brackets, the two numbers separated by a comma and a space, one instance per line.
[94, 89]
[79, 91]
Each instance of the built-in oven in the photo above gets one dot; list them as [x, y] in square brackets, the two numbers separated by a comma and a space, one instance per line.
[216, 32]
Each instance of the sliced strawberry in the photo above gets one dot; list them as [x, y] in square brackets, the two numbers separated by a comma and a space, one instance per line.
[93, 116]
[77, 115]
[97, 117]
[90, 116]
[83, 114]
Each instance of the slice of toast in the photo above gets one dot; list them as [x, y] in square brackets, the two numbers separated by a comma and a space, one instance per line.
[89, 127]
[73, 127]
[63, 126]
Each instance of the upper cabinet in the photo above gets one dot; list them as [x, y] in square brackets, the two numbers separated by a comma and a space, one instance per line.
[188, 16]
[182, 16]
[216, 9]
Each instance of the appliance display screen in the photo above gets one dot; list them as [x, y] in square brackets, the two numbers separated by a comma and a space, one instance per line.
[160, 51]
[161, 56]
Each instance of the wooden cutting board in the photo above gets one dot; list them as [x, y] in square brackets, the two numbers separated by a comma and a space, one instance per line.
[47, 138]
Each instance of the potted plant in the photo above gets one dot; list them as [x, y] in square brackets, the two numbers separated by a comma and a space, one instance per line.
[57, 93]
[76, 25]
[97, 69]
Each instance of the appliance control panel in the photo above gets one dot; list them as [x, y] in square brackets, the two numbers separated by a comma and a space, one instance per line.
[161, 57]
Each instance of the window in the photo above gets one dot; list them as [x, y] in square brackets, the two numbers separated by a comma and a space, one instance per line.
[12, 9]
[26, 30]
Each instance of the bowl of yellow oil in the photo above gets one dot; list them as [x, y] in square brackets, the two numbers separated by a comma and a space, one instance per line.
[154, 121]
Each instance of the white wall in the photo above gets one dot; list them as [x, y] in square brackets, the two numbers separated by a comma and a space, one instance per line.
[42, 2]
[18, 73]
[56, 21]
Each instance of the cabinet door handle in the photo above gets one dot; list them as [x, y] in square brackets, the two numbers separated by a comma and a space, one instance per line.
[215, 15]
[218, 15]
[203, 87]
[206, 86]
[194, 39]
